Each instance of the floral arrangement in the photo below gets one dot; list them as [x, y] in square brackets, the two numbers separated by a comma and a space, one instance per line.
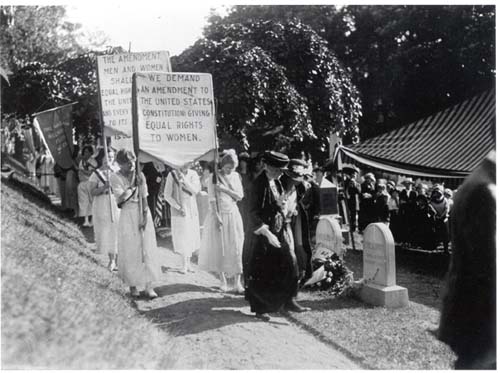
[331, 275]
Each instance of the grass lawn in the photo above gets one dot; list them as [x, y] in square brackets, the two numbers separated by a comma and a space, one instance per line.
[60, 310]
[380, 338]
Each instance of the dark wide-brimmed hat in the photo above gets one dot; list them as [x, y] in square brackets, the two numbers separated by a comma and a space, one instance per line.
[276, 159]
[349, 168]
[296, 169]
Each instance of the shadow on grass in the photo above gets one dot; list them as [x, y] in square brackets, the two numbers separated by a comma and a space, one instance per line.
[421, 272]
[182, 288]
[330, 303]
[88, 233]
[200, 315]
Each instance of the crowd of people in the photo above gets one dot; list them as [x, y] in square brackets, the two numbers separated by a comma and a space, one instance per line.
[256, 231]
[416, 214]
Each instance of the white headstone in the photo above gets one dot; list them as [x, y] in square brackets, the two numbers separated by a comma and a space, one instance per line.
[379, 265]
[328, 238]
[379, 268]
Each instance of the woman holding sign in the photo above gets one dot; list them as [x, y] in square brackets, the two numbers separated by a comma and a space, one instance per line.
[105, 213]
[138, 263]
[181, 189]
[223, 234]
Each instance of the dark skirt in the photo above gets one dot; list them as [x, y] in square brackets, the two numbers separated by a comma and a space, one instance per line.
[271, 274]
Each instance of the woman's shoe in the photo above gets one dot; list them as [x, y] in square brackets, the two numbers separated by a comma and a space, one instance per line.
[263, 316]
[293, 306]
[151, 294]
[239, 290]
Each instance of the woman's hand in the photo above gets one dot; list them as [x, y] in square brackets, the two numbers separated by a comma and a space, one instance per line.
[144, 222]
[181, 211]
[219, 220]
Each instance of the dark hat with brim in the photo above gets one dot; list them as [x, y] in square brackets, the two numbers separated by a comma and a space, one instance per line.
[276, 159]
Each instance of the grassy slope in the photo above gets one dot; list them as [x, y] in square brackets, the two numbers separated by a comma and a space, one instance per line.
[61, 308]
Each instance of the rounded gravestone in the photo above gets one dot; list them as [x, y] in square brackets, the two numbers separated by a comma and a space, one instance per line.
[379, 269]
[328, 238]
[379, 265]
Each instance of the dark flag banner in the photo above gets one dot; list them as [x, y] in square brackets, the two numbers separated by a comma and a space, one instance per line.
[57, 130]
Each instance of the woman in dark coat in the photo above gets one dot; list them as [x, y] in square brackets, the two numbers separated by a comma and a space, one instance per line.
[269, 264]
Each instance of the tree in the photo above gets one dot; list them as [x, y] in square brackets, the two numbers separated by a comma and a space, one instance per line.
[49, 68]
[407, 61]
[275, 79]
[36, 34]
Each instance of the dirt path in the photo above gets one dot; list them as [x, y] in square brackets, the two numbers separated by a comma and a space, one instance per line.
[215, 330]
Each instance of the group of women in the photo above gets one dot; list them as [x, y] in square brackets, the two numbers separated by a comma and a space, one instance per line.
[124, 229]
[276, 240]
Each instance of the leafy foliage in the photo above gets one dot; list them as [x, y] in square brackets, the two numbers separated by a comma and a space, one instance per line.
[36, 34]
[37, 87]
[275, 81]
[407, 61]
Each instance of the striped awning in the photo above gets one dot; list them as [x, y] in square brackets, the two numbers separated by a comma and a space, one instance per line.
[448, 144]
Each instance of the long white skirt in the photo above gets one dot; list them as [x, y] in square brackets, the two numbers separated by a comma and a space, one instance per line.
[131, 243]
[105, 230]
[186, 234]
[221, 249]
[84, 199]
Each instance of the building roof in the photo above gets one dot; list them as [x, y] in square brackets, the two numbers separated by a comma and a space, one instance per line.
[449, 144]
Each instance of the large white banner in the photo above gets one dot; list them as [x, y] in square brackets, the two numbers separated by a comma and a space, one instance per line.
[115, 84]
[175, 116]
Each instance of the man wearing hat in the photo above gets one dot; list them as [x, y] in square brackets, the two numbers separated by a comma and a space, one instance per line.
[407, 207]
[269, 266]
[441, 210]
[366, 206]
[352, 194]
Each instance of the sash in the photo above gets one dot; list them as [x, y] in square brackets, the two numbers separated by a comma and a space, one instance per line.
[224, 181]
[178, 184]
[100, 176]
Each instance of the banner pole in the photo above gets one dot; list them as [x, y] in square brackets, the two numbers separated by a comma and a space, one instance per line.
[105, 145]
[216, 173]
[135, 137]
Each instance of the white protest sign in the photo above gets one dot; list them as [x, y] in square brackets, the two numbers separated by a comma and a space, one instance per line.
[115, 84]
[175, 116]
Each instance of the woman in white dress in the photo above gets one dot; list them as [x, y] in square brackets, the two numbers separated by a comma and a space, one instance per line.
[223, 233]
[181, 189]
[138, 263]
[105, 213]
[85, 168]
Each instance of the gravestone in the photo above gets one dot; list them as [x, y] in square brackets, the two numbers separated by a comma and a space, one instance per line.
[328, 201]
[379, 269]
[328, 238]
